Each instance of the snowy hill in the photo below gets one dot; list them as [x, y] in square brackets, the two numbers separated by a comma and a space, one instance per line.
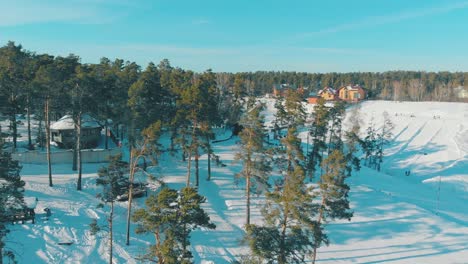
[421, 218]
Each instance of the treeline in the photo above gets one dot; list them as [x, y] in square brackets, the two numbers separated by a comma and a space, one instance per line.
[392, 85]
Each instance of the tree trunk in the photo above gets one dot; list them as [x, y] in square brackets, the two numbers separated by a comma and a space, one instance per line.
[15, 130]
[319, 222]
[75, 153]
[189, 167]
[282, 254]
[173, 136]
[184, 241]
[208, 178]
[111, 238]
[106, 129]
[78, 150]
[39, 134]
[130, 193]
[47, 123]
[29, 123]
[158, 248]
[197, 171]
[247, 190]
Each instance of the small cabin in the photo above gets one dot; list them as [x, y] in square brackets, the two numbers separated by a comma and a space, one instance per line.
[352, 93]
[63, 131]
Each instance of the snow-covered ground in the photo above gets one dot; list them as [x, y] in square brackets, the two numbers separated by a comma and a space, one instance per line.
[421, 218]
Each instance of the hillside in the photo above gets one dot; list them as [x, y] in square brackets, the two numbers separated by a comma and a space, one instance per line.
[420, 218]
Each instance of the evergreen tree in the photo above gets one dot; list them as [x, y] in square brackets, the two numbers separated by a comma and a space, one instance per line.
[383, 138]
[352, 141]
[369, 144]
[13, 82]
[252, 153]
[146, 149]
[83, 99]
[294, 108]
[171, 216]
[333, 195]
[148, 100]
[281, 116]
[317, 132]
[11, 197]
[46, 80]
[112, 179]
[197, 112]
[336, 116]
[289, 211]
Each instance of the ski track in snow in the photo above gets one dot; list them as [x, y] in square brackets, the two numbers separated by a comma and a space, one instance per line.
[397, 218]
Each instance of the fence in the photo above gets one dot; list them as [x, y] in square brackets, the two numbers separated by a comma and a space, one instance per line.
[66, 156]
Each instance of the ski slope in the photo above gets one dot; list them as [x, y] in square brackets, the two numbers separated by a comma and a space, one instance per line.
[421, 218]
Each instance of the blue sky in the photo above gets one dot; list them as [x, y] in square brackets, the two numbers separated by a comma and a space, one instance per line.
[243, 35]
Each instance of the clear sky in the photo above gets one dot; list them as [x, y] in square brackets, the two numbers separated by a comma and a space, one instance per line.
[248, 35]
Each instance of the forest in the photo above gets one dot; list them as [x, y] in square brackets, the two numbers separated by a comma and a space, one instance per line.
[144, 103]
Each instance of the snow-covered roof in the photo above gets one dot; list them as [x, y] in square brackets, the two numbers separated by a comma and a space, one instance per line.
[327, 89]
[66, 122]
[352, 87]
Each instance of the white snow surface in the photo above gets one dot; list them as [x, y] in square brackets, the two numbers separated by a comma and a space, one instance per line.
[421, 218]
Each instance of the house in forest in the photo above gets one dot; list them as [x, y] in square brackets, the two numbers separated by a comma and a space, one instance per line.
[63, 131]
[312, 98]
[281, 90]
[351, 93]
[328, 93]
[461, 92]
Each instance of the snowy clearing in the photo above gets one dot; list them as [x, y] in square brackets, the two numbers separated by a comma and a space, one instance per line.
[421, 218]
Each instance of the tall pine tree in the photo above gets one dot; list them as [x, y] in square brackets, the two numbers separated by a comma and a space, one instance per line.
[255, 165]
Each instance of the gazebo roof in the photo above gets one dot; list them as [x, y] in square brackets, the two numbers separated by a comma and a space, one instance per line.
[66, 122]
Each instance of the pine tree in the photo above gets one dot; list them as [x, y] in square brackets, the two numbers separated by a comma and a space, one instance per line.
[352, 140]
[46, 80]
[148, 100]
[83, 95]
[197, 114]
[212, 117]
[13, 81]
[383, 138]
[336, 116]
[252, 153]
[318, 132]
[289, 211]
[146, 149]
[280, 116]
[11, 198]
[112, 179]
[334, 197]
[294, 108]
[171, 216]
[369, 144]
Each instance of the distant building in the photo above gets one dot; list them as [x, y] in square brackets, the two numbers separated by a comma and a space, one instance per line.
[328, 93]
[351, 93]
[461, 92]
[63, 131]
[312, 98]
[281, 90]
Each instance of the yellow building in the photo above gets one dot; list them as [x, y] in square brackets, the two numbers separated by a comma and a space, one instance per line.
[351, 93]
[328, 93]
